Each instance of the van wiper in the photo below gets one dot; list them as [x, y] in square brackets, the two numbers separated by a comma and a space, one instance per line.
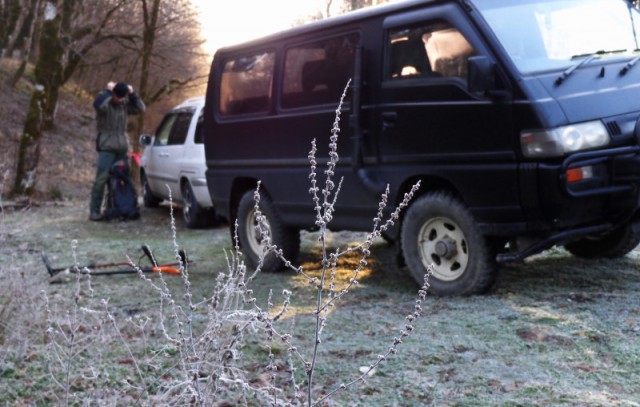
[587, 58]
[631, 63]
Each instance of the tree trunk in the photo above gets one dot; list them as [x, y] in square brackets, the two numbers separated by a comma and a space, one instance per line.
[13, 14]
[148, 41]
[52, 72]
[48, 75]
[26, 47]
[21, 29]
[37, 29]
[29, 150]
[5, 28]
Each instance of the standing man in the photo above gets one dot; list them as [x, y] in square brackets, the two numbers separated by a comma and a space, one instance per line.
[113, 107]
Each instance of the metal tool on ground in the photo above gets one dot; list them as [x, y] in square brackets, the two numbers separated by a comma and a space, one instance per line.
[182, 257]
[122, 267]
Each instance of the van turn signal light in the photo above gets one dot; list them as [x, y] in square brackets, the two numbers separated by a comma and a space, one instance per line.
[579, 174]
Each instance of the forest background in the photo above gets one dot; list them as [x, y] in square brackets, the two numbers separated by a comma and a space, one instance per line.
[155, 45]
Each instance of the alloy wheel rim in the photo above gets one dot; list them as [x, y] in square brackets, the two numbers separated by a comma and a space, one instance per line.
[186, 204]
[253, 234]
[442, 245]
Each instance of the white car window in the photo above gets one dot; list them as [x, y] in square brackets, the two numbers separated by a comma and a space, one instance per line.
[199, 136]
[180, 128]
[164, 131]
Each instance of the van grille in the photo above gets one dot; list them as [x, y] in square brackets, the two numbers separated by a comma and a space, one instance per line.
[613, 128]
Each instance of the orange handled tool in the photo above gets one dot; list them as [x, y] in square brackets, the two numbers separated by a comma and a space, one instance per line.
[165, 270]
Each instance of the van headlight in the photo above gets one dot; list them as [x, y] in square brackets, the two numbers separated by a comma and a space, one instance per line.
[563, 140]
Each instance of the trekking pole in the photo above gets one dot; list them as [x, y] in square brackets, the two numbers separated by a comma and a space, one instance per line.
[160, 269]
[168, 268]
[89, 266]
[183, 260]
[147, 251]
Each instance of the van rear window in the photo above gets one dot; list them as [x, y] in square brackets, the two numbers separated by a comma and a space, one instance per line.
[316, 73]
[245, 86]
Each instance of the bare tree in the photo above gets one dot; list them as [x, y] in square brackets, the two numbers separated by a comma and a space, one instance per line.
[56, 62]
[162, 57]
[18, 21]
[150, 18]
[27, 39]
[48, 74]
[95, 41]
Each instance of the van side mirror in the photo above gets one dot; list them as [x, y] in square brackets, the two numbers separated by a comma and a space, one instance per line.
[481, 76]
[145, 140]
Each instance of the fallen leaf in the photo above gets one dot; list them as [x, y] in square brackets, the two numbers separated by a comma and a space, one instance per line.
[508, 388]
[531, 334]
[585, 368]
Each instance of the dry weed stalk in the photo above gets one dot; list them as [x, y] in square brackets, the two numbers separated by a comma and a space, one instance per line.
[326, 296]
[75, 337]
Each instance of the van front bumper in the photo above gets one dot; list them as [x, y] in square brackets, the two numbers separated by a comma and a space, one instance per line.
[551, 204]
[610, 194]
[614, 171]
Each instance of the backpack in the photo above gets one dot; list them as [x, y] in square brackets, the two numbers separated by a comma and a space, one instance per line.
[122, 201]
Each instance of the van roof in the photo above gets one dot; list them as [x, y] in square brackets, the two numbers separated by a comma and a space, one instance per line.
[358, 15]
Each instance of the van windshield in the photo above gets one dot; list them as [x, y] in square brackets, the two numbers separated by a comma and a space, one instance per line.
[544, 35]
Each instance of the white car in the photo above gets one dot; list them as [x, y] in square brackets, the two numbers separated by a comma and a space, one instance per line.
[173, 160]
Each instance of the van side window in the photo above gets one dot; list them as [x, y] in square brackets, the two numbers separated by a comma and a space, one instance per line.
[245, 85]
[430, 50]
[316, 73]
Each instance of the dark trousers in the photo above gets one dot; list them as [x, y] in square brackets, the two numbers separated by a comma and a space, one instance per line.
[106, 159]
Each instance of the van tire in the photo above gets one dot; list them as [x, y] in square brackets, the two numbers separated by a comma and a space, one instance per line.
[438, 229]
[194, 215]
[614, 244]
[286, 239]
[148, 198]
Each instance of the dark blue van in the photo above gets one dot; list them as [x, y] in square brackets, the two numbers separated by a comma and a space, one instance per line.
[518, 117]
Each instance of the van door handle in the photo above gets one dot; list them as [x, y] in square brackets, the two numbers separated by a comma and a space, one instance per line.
[389, 117]
[164, 154]
[389, 120]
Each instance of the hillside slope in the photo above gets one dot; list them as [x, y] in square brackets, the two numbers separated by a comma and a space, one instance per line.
[67, 161]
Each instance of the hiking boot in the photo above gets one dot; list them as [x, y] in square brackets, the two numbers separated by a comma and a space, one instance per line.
[95, 216]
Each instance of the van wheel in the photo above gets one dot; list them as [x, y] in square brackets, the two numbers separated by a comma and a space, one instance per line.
[194, 215]
[148, 198]
[287, 239]
[439, 231]
[614, 244]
